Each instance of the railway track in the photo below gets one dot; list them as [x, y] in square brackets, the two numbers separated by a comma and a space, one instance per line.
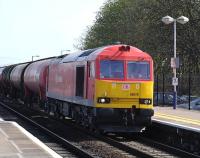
[148, 145]
[134, 143]
[99, 148]
[55, 142]
[94, 146]
[122, 147]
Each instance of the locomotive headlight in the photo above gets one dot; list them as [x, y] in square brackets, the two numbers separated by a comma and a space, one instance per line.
[103, 100]
[145, 101]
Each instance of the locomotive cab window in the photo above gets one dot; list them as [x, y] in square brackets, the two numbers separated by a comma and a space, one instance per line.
[111, 69]
[138, 70]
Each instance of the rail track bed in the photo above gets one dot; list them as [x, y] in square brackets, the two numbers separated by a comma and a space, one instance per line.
[95, 145]
[175, 136]
[7, 115]
[86, 143]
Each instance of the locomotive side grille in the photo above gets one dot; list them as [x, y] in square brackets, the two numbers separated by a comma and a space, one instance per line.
[124, 100]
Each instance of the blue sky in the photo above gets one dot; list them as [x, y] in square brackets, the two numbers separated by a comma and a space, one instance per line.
[42, 27]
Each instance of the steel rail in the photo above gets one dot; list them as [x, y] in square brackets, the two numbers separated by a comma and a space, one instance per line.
[168, 148]
[130, 150]
[74, 149]
[116, 144]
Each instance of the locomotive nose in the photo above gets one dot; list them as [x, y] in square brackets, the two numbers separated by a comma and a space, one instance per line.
[112, 94]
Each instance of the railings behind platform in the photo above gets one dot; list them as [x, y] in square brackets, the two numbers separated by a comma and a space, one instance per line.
[188, 90]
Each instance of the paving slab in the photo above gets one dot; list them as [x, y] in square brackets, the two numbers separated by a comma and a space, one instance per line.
[16, 142]
[184, 117]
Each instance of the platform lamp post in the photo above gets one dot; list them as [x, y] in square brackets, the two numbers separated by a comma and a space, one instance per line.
[163, 79]
[175, 60]
[35, 56]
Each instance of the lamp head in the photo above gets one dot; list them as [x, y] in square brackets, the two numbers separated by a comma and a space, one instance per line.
[182, 19]
[167, 19]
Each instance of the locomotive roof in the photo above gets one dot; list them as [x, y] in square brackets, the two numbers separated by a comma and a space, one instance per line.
[80, 55]
[71, 57]
[93, 53]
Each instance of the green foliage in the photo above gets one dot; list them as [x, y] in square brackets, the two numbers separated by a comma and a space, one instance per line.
[138, 23]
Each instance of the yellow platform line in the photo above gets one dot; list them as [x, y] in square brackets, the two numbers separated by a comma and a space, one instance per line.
[177, 118]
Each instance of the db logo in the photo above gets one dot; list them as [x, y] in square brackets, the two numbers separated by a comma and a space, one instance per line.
[126, 86]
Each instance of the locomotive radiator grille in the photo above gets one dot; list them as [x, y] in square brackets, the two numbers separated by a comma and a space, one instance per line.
[124, 100]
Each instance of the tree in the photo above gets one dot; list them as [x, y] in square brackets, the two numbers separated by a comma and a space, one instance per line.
[138, 23]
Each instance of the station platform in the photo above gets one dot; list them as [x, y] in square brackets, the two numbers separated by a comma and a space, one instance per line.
[16, 142]
[187, 119]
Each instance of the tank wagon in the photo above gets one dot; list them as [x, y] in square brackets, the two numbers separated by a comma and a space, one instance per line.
[17, 80]
[26, 81]
[1, 71]
[110, 88]
[1, 79]
[34, 79]
[7, 86]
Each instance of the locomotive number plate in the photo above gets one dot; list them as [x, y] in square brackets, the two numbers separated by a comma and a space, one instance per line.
[126, 86]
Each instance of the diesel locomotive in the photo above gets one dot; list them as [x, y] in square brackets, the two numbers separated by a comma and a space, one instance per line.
[109, 88]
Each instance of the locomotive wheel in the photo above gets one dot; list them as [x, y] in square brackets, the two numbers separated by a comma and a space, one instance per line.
[74, 115]
[62, 117]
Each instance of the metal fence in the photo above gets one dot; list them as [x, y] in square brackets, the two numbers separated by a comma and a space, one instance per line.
[188, 90]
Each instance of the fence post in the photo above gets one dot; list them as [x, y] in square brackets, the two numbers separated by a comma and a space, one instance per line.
[189, 84]
[157, 89]
[163, 90]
